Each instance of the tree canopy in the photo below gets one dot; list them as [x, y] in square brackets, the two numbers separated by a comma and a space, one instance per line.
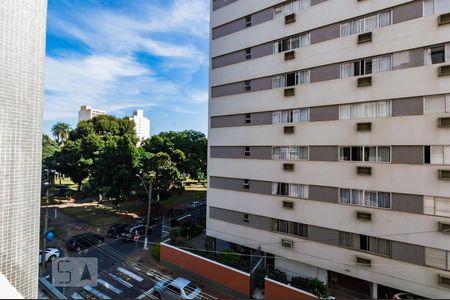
[61, 131]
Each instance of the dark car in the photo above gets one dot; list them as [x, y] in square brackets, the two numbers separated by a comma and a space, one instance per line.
[116, 229]
[143, 221]
[131, 231]
[176, 212]
[83, 241]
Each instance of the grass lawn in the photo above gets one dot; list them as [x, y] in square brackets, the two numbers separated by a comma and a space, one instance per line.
[188, 195]
[106, 214]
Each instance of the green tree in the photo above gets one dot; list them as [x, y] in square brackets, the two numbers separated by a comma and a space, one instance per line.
[49, 149]
[162, 172]
[61, 131]
[187, 149]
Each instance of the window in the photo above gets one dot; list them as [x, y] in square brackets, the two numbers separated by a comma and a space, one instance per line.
[248, 118]
[173, 290]
[365, 243]
[366, 110]
[248, 21]
[246, 184]
[290, 116]
[290, 153]
[366, 24]
[366, 66]
[365, 198]
[435, 7]
[356, 153]
[437, 258]
[381, 154]
[291, 79]
[436, 54]
[440, 155]
[248, 53]
[247, 151]
[437, 206]
[287, 227]
[245, 218]
[291, 7]
[247, 86]
[294, 42]
[437, 104]
[290, 190]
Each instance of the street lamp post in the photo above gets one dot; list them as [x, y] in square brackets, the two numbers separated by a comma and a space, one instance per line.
[149, 194]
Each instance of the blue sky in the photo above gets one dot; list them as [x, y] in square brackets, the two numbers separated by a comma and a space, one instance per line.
[119, 55]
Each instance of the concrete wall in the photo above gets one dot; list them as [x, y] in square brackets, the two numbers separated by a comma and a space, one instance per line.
[278, 290]
[228, 278]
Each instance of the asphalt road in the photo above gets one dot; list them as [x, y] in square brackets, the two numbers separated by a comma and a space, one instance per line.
[118, 276]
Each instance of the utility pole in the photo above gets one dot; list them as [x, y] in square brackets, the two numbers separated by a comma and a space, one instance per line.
[44, 240]
[149, 194]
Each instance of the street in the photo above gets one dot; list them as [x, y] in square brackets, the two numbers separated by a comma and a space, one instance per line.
[120, 271]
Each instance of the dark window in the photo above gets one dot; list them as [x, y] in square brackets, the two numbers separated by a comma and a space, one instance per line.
[246, 184]
[438, 54]
[427, 152]
[247, 151]
[357, 154]
[364, 242]
[173, 289]
[283, 189]
[290, 79]
[285, 45]
[247, 86]
[248, 53]
[248, 118]
[368, 67]
[248, 21]
[345, 153]
[245, 218]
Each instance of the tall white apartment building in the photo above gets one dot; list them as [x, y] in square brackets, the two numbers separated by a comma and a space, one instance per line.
[22, 54]
[142, 125]
[329, 139]
[86, 112]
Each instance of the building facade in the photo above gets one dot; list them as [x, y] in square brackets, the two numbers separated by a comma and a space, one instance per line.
[22, 54]
[86, 112]
[329, 139]
[142, 125]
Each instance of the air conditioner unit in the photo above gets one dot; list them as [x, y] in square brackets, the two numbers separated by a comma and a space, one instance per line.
[444, 71]
[289, 92]
[443, 122]
[287, 244]
[363, 216]
[365, 81]
[289, 19]
[444, 227]
[364, 170]
[444, 19]
[444, 174]
[289, 55]
[288, 204]
[364, 126]
[365, 37]
[444, 280]
[363, 261]
[288, 167]
[289, 129]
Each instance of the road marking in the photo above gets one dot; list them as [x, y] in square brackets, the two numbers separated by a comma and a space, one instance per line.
[95, 292]
[131, 274]
[109, 286]
[120, 280]
[75, 295]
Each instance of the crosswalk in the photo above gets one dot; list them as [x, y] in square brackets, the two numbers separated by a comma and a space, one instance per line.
[120, 282]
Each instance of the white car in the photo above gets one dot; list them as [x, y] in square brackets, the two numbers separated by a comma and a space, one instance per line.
[179, 288]
[50, 254]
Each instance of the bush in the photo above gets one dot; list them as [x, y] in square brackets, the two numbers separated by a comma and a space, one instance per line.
[156, 250]
[318, 288]
[229, 257]
[175, 232]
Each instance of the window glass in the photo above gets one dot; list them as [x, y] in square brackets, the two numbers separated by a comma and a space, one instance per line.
[346, 239]
[435, 258]
[370, 154]
[173, 290]
[384, 200]
[437, 55]
[370, 199]
[345, 153]
[384, 154]
[357, 197]
[344, 196]
[364, 242]
[442, 206]
[357, 154]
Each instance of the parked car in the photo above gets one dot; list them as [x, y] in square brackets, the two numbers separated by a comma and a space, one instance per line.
[194, 205]
[83, 241]
[143, 221]
[176, 212]
[116, 229]
[50, 254]
[131, 230]
[405, 296]
[179, 288]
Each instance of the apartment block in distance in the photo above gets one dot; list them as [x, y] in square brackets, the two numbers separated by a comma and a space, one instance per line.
[22, 54]
[86, 112]
[329, 139]
[142, 125]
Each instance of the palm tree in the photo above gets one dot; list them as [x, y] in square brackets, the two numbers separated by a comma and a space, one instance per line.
[61, 131]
